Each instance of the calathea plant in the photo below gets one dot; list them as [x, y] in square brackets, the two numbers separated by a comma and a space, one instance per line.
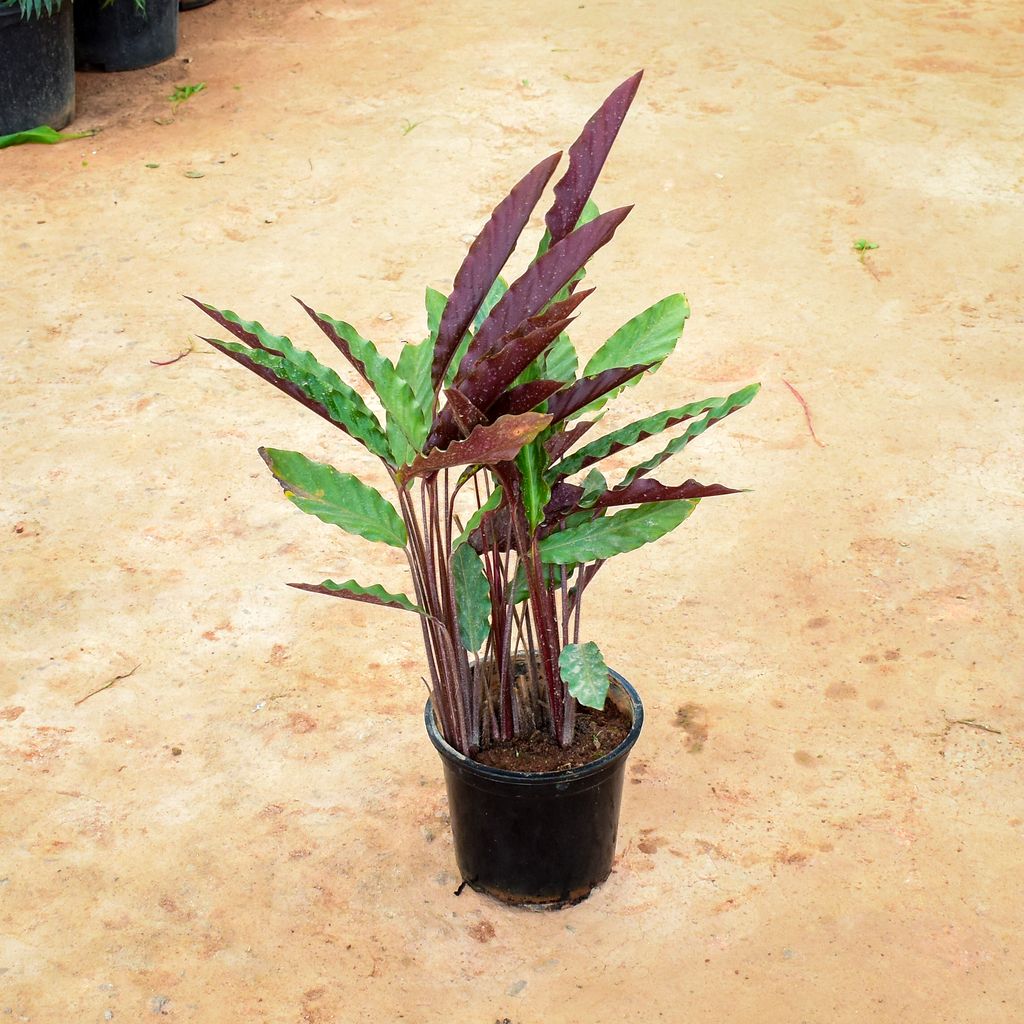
[479, 436]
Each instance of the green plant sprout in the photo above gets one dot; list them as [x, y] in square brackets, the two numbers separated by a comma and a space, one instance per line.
[185, 92]
[863, 245]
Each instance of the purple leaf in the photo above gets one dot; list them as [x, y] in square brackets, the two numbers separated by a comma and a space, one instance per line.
[352, 591]
[539, 283]
[490, 377]
[245, 336]
[466, 414]
[586, 158]
[643, 490]
[524, 397]
[558, 444]
[500, 441]
[340, 343]
[292, 390]
[588, 389]
[486, 256]
[565, 498]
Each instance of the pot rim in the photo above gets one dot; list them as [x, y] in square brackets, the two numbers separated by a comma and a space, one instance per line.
[449, 753]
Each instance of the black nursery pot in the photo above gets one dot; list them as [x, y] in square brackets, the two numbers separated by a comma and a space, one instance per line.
[120, 37]
[545, 838]
[37, 70]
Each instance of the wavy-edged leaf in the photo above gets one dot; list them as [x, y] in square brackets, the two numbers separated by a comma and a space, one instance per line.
[488, 379]
[340, 499]
[586, 390]
[472, 598]
[497, 290]
[488, 444]
[487, 255]
[561, 360]
[535, 490]
[614, 534]
[649, 337]
[479, 359]
[477, 517]
[541, 282]
[737, 400]
[643, 490]
[631, 434]
[351, 590]
[337, 403]
[494, 294]
[559, 443]
[379, 372]
[524, 397]
[586, 158]
[467, 415]
[414, 368]
[256, 336]
[435, 302]
[585, 673]
[595, 486]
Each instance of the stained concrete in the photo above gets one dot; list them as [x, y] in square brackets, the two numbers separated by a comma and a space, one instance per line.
[823, 819]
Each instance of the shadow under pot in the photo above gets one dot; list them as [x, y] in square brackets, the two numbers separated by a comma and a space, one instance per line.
[542, 839]
[125, 34]
[37, 69]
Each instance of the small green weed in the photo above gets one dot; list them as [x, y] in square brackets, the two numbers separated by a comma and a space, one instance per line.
[185, 92]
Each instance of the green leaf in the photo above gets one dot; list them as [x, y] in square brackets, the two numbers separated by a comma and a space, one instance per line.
[44, 134]
[612, 535]
[395, 394]
[492, 298]
[648, 338]
[336, 498]
[413, 367]
[560, 361]
[536, 491]
[182, 93]
[344, 406]
[375, 594]
[594, 485]
[435, 302]
[472, 598]
[474, 520]
[640, 430]
[734, 402]
[584, 672]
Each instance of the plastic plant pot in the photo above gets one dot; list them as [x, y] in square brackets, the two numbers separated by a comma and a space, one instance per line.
[120, 37]
[37, 70]
[545, 838]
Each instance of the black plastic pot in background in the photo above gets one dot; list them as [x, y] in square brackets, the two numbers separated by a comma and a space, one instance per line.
[37, 70]
[545, 838]
[120, 37]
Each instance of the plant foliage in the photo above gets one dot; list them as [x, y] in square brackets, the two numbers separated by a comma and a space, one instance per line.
[482, 419]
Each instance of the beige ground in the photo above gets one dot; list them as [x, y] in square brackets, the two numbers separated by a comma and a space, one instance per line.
[250, 827]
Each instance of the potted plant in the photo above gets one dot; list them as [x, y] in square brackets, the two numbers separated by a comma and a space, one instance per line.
[37, 65]
[123, 35]
[480, 437]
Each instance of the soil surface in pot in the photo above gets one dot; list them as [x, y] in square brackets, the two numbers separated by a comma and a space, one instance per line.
[597, 733]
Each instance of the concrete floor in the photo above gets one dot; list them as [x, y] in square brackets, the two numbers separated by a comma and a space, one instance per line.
[824, 820]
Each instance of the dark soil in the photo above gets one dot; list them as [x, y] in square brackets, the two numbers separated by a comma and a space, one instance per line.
[597, 733]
